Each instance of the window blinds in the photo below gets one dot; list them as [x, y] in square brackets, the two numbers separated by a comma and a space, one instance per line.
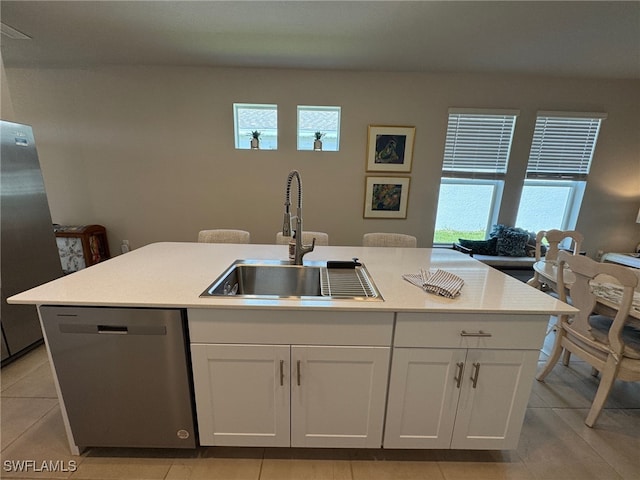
[478, 141]
[563, 145]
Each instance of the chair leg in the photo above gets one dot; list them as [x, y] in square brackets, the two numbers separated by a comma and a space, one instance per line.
[609, 373]
[535, 281]
[555, 355]
[566, 358]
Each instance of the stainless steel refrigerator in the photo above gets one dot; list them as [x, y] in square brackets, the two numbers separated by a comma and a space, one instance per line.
[28, 250]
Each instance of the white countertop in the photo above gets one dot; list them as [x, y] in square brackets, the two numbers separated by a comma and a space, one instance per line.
[175, 274]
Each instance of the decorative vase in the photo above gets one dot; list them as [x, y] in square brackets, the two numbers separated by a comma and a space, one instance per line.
[255, 144]
[317, 145]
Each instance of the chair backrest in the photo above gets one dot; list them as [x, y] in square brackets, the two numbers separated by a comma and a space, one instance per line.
[554, 238]
[389, 240]
[221, 235]
[583, 297]
[322, 239]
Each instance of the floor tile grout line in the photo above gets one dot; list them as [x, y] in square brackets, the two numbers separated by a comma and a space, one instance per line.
[261, 465]
[588, 445]
[38, 397]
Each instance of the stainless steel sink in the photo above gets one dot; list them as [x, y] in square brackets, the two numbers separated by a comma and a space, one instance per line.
[278, 279]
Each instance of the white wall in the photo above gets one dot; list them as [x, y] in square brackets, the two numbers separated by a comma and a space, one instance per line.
[148, 151]
[6, 106]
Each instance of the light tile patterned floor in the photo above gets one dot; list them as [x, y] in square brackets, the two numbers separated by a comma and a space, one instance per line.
[555, 443]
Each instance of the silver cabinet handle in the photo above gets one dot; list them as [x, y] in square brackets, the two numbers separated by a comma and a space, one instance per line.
[474, 377]
[458, 376]
[281, 373]
[479, 333]
[298, 372]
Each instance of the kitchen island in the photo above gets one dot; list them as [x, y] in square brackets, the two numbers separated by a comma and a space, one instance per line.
[413, 371]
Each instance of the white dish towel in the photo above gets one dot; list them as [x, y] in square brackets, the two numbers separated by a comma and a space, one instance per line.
[440, 282]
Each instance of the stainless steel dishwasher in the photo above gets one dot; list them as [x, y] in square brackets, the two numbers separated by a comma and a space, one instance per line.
[123, 374]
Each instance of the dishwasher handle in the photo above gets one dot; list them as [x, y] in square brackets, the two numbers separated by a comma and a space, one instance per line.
[113, 329]
[116, 329]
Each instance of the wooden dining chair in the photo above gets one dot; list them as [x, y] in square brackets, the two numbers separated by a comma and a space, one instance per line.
[610, 344]
[552, 240]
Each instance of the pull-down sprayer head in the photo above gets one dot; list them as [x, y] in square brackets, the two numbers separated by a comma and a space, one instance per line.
[300, 249]
[286, 223]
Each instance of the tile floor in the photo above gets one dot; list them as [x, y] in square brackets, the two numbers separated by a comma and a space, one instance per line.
[555, 443]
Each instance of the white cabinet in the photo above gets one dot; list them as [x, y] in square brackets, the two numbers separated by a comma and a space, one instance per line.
[242, 394]
[296, 378]
[462, 399]
[423, 398]
[466, 389]
[338, 396]
[494, 393]
[255, 395]
[319, 379]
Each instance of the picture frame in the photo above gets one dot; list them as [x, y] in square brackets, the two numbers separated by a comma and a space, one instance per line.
[386, 197]
[390, 149]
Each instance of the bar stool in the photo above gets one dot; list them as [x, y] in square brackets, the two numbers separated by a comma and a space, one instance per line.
[389, 240]
[221, 235]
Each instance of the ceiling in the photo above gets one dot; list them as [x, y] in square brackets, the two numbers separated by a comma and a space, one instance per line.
[595, 39]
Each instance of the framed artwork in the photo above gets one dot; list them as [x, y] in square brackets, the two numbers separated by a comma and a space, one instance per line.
[386, 197]
[390, 149]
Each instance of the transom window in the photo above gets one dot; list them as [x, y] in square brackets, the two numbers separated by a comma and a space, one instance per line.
[476, 156]
[325, 120]
[249, 118]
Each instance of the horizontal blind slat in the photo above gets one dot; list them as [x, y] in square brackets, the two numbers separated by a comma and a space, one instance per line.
[563, 145]
[478, 142]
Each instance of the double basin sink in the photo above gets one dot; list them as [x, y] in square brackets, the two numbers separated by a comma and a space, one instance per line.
[275, 279]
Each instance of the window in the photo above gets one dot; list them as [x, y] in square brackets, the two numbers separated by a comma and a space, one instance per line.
[535, 212]
[466, 209]
[251, 117]
[559, 162]
[325, 120]
[476, 155]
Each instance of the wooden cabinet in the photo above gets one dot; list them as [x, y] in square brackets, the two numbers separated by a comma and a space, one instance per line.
[81, 246]
[466, 389]
[320, 393]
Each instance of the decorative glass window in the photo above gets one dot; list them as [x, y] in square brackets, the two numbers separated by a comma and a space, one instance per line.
[261, 118]
[325, 121]
[477, 148]
[559, 162]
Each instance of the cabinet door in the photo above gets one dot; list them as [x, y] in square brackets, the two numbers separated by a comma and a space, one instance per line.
[242, 394]
[423, 397]
[338, 396]
[491, 409]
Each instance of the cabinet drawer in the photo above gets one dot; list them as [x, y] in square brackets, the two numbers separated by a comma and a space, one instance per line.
[470, 330]
[281, 327]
